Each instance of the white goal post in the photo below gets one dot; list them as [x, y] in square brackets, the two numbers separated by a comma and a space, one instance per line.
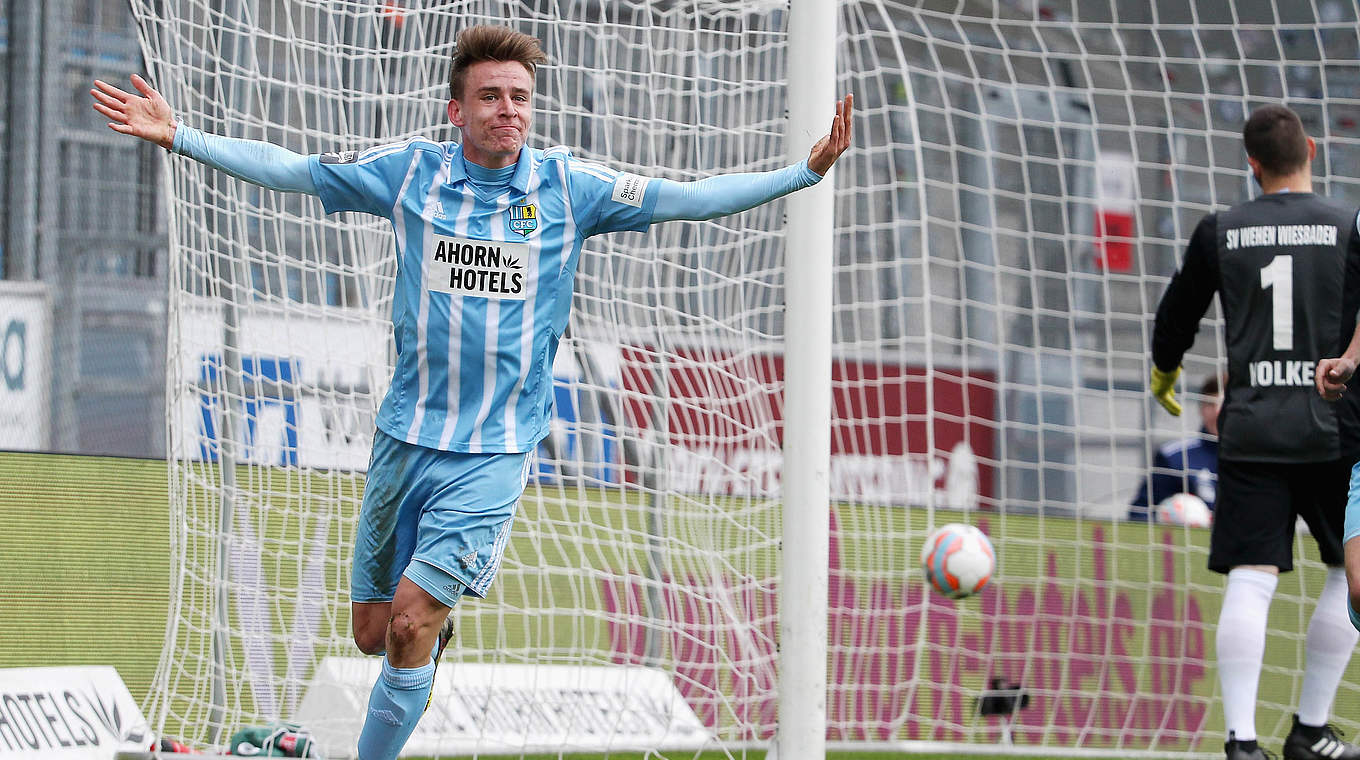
[1024, 176]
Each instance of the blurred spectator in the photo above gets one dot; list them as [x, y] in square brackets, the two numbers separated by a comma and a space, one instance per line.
[1189, 465]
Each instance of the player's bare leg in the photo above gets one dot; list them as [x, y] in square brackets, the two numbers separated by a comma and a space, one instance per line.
[368, 622]
[414, 628]
[412, 639]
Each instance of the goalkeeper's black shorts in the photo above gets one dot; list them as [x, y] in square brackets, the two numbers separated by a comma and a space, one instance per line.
[1258, 506]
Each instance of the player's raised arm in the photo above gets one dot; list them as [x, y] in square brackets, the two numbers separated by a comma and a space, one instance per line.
[149, 117]
[1183, 304]
[733, 193]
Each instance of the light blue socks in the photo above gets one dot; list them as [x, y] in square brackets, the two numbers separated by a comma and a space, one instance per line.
[394, 707]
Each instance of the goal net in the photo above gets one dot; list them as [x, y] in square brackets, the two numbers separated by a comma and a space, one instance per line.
[1023, 179]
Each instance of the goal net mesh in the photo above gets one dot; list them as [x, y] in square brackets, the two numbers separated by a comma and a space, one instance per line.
[1023, 179]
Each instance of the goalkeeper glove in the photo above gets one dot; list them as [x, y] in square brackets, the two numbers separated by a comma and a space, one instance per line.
[1163, 387]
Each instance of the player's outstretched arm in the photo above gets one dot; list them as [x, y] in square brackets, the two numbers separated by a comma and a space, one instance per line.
[733, 193]
[147, 116]
[1331, 375]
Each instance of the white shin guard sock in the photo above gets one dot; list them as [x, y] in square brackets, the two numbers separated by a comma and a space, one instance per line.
[1242, 646]
[1331, 638]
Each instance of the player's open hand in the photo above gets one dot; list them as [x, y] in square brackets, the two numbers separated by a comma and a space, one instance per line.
[830, 148]
[1331, 375]
[147, 116]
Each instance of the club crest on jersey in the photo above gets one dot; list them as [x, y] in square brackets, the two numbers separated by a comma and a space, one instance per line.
[340, 157]
[524, 219]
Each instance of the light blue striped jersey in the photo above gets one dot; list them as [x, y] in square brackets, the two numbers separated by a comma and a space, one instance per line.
[484, 280]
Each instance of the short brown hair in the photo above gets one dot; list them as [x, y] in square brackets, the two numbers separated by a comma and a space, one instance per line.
[1274, 136]
[491, 43]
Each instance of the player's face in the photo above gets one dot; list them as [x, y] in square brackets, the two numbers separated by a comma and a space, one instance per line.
[494, 112]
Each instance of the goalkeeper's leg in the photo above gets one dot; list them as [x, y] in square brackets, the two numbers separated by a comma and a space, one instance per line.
[1241, 644]
[1330, 642]
[1251, 542]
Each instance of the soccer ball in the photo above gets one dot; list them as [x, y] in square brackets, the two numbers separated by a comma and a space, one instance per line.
[958, 560]
[1184, 509]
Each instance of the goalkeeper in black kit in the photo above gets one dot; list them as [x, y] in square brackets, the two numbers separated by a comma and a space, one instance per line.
[1286, 267]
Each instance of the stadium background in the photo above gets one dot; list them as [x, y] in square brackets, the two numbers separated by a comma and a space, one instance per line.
[84, 537]
[83, 231]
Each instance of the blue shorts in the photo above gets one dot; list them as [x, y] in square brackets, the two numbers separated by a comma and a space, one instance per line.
[441, 518]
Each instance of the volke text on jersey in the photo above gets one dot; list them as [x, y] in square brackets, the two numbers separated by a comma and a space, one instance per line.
[1281, 234]
[1277, 373]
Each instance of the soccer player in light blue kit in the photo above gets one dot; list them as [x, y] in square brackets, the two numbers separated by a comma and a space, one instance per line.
[488, 236]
